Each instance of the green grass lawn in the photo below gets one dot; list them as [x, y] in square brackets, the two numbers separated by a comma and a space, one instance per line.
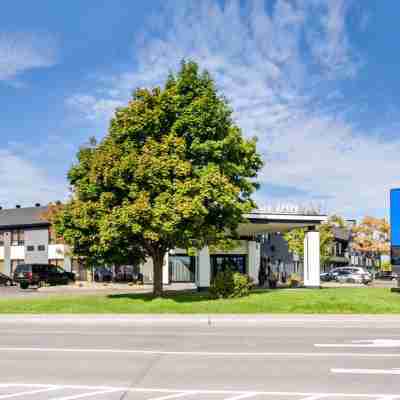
[329, 300]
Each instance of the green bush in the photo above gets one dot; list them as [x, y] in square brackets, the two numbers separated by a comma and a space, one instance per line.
[229, 284]
[294, 280]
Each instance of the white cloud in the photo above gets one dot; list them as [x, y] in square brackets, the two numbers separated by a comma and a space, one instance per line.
[20, 52]
[92, 107]
[280, 69]
[25, 184]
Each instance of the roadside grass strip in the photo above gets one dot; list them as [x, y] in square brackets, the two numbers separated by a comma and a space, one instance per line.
[283, 301]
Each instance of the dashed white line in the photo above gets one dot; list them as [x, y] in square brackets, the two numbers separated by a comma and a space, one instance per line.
[374, 343]
[360, 371]
[242, 396]
[89, 394]
[173, 396]
[27, 393]
[314, 397]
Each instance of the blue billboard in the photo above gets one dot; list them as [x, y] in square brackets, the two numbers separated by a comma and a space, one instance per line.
[395, 226]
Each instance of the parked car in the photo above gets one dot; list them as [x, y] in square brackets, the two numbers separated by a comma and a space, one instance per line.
[40, 274]
[128, 275]
[387, 275]
[325, 276]
[5, 280]
[103, 274]
[353, 275]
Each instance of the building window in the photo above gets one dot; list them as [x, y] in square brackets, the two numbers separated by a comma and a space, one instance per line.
[30, 248]
[17, 237]
[58, 263]
[181, 268]
[41, 247]
[236, 263]
[14, 264]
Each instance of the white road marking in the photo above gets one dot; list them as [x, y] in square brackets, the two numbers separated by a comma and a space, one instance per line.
[83, 395]
[366, 371]
[313, 398]
[103, 389]
[27, 393]
[196, 353]
[242, 396]
[375, 343]
[173, 396]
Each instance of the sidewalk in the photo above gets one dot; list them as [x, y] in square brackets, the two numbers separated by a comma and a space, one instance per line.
[207, 320]
[83, 286]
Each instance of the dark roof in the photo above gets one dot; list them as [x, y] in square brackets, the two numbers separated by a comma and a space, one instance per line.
[22, 217]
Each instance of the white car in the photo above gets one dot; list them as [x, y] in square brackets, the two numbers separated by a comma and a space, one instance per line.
[352, 275]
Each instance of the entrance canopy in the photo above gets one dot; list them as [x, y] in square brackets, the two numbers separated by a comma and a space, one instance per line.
[262, 222]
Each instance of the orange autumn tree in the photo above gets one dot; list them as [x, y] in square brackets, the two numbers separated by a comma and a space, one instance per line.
[50, 215]
[371, 238]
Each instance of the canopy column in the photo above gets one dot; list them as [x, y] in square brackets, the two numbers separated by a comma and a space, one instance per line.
[311, 259]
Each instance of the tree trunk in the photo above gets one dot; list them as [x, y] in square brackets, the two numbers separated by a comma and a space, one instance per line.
[158, 262]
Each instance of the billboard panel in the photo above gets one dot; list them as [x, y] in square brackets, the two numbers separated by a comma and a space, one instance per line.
[395, 226]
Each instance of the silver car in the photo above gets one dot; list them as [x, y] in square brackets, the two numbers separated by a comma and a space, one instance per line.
[353, 275]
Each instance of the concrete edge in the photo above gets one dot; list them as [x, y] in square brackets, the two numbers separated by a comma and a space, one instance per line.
[335, 320]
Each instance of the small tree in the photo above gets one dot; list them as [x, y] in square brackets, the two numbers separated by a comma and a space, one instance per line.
[295, 239]
[173, 171]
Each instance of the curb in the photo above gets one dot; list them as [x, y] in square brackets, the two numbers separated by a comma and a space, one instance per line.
[337, 321]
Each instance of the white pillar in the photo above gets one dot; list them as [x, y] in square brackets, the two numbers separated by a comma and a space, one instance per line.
[254, 257]
[166, 270]
[311, 259]
[204, 269]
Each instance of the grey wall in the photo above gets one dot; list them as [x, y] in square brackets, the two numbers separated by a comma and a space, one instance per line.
[36, 237]
[276, 248]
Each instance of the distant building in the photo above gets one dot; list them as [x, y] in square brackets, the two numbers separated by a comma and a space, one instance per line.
[26, 237]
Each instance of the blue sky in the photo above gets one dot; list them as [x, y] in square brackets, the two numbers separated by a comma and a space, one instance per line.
[316, 81]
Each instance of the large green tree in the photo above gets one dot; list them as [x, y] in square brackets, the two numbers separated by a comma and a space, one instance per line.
[174, 170]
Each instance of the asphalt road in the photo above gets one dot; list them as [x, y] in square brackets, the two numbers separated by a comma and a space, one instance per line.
[232, 358]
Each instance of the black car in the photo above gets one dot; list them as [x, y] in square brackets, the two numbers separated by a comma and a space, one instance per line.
[5, 280]
[103, 274]
[41, 274]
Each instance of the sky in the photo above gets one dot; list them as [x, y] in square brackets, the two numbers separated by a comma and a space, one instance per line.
[316, 81]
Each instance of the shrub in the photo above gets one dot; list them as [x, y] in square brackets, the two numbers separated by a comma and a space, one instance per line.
[229, 284]
[294, 280]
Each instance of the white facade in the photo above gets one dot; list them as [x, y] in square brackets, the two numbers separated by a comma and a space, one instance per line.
[204, 268]
[254, 259]
[17, 252]
[311, 259]
[56, 251]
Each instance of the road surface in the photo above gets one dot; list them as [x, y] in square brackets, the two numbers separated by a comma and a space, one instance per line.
[278, 357]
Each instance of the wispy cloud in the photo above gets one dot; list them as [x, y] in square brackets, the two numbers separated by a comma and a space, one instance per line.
[279, 63]
[26, 184]
[93, 107]
[20, 52]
